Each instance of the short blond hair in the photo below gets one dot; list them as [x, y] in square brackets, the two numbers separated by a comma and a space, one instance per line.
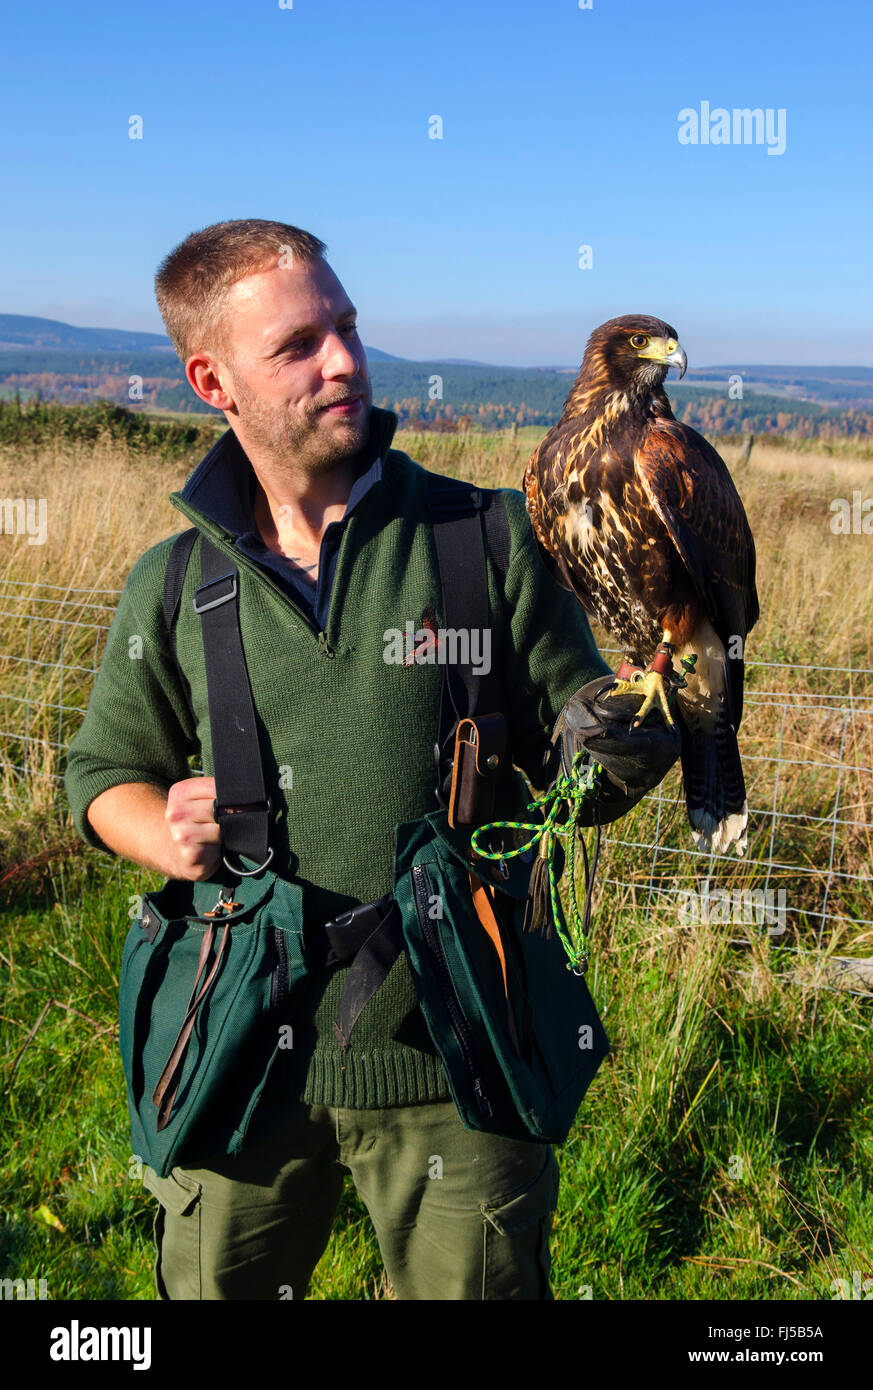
[192, 280]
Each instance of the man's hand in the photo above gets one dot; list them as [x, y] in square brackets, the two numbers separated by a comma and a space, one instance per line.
[176, 833]
[193, 829]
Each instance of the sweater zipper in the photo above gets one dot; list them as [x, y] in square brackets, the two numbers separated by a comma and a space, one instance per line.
[221, 539]
[422, 889]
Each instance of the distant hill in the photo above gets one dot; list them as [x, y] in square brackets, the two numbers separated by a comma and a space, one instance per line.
[23, 331]
[839, 387]
[377, 355]
[141, 370]
[458, 361]
[767, 373]
[19, 330]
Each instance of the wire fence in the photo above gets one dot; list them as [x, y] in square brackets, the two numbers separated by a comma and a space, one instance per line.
[53, 643]
[807, 750]
[806, 879]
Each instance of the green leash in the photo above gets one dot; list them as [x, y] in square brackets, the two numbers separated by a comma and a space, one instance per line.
[571, 792]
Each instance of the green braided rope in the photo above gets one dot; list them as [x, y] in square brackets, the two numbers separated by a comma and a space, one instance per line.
[568, 791]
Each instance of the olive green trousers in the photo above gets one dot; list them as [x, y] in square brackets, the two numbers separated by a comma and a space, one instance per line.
[458, 1214]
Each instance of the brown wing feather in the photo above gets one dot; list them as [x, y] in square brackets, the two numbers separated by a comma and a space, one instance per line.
[691, 490]
[693, 493]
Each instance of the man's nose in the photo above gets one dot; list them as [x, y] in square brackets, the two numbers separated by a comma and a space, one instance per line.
[340, 360]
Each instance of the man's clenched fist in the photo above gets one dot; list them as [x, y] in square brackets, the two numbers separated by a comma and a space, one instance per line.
[194, 832]
[173, 832]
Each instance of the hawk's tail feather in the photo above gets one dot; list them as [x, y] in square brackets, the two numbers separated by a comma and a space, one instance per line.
[715, 790]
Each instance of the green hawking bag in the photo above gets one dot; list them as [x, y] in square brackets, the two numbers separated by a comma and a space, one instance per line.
[203, 1000]
[519, 1052]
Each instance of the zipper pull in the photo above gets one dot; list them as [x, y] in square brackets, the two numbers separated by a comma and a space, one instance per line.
[481, 1099]
[324, 645]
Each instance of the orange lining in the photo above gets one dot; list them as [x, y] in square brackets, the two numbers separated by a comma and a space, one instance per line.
[482, 899]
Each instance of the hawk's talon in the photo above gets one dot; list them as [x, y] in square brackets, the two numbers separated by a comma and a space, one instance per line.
[655, 691]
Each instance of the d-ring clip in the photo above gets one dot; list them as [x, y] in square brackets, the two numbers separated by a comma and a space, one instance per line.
[249, 873]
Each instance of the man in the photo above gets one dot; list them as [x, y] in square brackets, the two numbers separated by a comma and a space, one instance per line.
[327, 527]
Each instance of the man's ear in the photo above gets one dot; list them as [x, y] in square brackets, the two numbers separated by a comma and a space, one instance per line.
[209, 379]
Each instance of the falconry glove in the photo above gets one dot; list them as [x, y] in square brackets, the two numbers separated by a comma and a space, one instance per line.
[633, 761]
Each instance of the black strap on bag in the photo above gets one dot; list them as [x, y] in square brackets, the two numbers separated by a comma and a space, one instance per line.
[370, 934]
[242, 807]
[457, 510]
[174, 579]
[371, 937]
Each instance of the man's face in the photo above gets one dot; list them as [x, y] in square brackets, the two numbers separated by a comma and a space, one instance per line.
[292, 354]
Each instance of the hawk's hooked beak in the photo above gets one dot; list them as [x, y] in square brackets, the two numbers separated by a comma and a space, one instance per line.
[668, 351]
[678, 359]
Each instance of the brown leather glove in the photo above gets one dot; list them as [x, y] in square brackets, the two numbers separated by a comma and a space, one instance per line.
[633, 762]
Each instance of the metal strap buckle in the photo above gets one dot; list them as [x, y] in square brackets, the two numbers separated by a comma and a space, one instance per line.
[215, 602]
[228, 810]
[366, 912]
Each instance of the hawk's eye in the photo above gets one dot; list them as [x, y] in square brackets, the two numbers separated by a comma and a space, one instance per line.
[638, 340]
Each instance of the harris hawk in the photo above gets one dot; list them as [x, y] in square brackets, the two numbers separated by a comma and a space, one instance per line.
[637, 515]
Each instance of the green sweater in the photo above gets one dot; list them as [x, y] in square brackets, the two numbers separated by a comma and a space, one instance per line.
[346, 736]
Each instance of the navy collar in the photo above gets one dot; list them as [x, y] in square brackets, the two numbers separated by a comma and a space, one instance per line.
[222, 486]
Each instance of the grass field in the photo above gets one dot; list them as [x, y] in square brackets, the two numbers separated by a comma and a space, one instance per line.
[725, 1148]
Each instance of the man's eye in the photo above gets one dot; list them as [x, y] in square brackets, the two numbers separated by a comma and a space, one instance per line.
[303, 344]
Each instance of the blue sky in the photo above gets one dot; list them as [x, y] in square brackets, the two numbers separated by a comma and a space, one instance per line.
[560, 129]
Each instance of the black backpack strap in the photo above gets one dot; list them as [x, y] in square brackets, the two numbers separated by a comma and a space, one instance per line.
[174, 579]
[457, 510]
[242, 808]
[235, 753]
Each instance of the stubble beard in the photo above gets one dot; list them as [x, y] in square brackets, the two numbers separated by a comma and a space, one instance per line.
[310, 444]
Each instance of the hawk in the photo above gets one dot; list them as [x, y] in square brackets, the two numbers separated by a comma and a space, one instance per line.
[637, 515]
